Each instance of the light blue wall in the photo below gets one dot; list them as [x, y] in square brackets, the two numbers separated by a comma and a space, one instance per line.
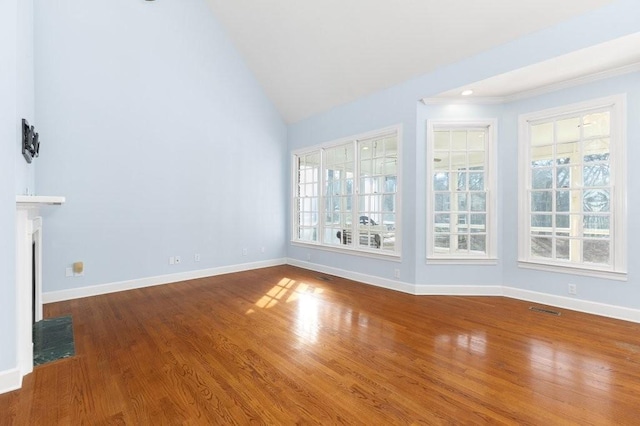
[8, 145]
[399, 104]
[25, 172]
[16, 102]
[160, 138]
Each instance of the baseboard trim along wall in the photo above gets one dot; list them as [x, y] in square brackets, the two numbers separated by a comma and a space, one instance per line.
[595, 308]
[585, 306]
[10, 380]
[458, 290]
[355, 276]
[96, 290]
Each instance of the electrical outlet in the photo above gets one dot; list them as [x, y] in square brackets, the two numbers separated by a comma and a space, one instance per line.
[261, 249]
[244, 251]
[308, 256]
[172, 260]
[573, 289]
[69, 272]
[396, 273]
[196, 257]
[178, 260]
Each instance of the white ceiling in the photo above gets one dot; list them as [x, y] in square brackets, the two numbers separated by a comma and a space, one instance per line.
[312, 56]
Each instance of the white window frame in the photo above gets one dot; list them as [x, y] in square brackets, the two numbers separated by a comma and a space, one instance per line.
[618, 183]
[354, 248]
[491, 255]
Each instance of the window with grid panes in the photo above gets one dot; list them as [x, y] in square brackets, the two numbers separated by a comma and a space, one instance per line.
[339, 174]
[572, 196]
[359, 197]
[307, 196]
[378, 186]
[460, 180]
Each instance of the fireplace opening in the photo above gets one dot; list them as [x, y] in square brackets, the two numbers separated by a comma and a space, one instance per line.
[33, 282]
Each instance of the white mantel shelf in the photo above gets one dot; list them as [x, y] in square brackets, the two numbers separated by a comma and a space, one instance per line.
[30, 201]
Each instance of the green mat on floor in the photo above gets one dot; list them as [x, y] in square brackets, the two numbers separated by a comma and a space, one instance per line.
[53, 340]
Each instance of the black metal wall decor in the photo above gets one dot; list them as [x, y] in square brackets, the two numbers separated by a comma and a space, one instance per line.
[30, 142]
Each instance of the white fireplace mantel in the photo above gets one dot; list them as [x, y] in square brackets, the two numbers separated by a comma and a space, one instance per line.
[36, 201]
[28, 231]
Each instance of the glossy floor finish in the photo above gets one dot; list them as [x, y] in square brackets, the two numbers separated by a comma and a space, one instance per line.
[283, 345]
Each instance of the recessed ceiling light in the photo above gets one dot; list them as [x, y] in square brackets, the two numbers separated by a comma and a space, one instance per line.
[467, 92]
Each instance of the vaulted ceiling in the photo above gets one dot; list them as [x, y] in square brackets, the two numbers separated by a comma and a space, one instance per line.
[312, 56]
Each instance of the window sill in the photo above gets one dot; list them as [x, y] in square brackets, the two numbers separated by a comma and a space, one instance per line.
[396, 257]
[595, 273]
[461, 261]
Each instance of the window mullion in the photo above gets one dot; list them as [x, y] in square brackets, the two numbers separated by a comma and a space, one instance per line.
[322, 197]
[355, 201]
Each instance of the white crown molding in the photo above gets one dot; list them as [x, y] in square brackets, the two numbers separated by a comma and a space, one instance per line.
[525, 94]
[10, 380]
[573, 82]
[469, 100]
[96, 290]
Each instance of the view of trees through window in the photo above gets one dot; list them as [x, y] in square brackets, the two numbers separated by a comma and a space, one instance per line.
[570, 196]
[354, 185]
[458, 192]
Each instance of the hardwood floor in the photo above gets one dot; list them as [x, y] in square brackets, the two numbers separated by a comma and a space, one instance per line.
[284, 345]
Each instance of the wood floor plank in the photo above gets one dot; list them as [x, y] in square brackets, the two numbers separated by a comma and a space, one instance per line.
[284, 345]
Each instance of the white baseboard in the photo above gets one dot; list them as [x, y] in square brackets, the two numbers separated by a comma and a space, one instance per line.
[594, 308]
[458, 290]
[96, 290]
[418, 290]
[586, 306]
[10, 380]
[355, 276]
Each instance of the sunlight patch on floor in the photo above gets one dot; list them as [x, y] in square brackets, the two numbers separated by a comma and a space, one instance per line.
[287, 290]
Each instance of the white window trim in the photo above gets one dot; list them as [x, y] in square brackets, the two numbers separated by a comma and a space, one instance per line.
[618, 179]
[354, 250]
[491, 256]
